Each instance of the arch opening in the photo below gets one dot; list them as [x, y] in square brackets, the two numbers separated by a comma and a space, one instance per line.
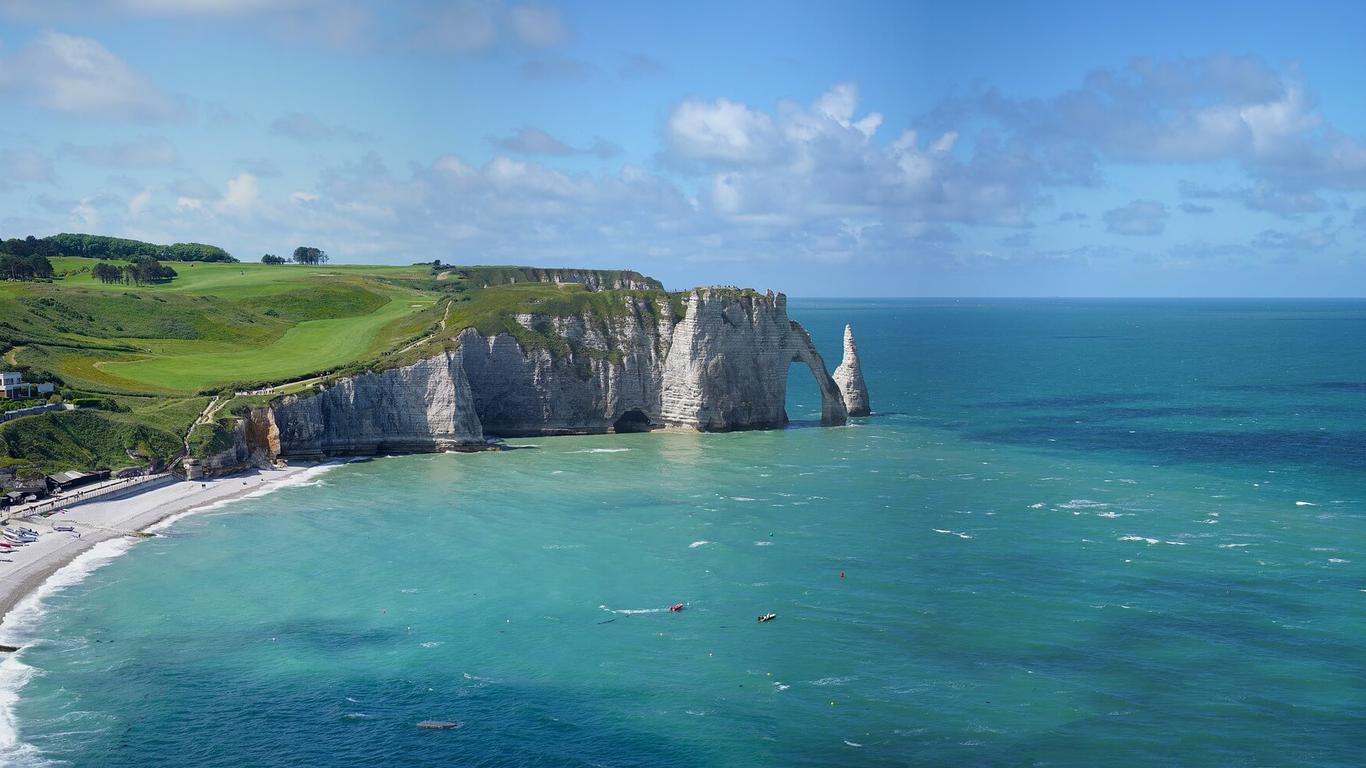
[802, 401]
[633, 420]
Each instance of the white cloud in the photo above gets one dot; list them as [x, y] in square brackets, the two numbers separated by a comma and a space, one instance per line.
[242, 196]
[84, 216]
[140, 203]
[538, 26]
[721, 130]
[78, 76]
[1140, 217]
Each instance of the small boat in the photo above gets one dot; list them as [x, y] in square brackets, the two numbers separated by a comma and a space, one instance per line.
[23, 533]
[768, 617]
[676, 607]
[18, 538]
[438, 725]
[66, 528]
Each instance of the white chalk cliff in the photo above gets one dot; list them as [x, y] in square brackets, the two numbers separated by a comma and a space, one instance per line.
[721, 366]
[849, 377]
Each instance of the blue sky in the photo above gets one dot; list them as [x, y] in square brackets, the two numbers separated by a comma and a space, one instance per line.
[914, 149]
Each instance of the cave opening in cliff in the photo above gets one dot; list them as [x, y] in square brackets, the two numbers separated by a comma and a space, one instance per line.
[633, 420]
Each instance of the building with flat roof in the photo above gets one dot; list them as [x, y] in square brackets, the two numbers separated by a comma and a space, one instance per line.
[13, 387]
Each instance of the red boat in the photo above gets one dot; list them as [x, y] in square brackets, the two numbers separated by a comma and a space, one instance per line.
[676, 607]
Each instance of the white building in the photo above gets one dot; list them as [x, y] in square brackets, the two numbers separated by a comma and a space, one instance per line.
[12, 387]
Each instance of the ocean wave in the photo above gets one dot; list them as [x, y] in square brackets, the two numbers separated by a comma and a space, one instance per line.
[1132, 537]
[1083, 504]
[763, 543]
[959, 534]
[20, 628]
[601, 450]
[633, 611]
[303, 479]
[698, 543]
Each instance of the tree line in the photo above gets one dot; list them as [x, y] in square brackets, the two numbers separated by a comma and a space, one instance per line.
[103, 247]
[15, 266]
[141, 271]
[302, 255]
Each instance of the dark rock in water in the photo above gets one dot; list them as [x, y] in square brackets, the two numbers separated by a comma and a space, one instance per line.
[438, 725]
[8, 648]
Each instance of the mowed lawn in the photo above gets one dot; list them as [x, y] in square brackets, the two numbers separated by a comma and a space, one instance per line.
[344, 332]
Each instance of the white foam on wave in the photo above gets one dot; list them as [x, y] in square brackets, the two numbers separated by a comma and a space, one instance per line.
[433, 643]
[830, 681]
[1233, 546]
[763, 543]
[959, 534]
[1305, 504]
[850, 743]
[1083, 504]
[632, 611]
[1132, 537]
[1037, 505]
[742, 498]
[20, 628]
[602, 450]
[700, 543]
[304, 479]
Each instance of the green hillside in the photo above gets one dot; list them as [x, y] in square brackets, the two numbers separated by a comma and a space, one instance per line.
[154, 356]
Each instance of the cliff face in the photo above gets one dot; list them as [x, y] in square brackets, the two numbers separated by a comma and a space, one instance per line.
[612, 367]
[422, 407]
[727, 366]
[722, 366]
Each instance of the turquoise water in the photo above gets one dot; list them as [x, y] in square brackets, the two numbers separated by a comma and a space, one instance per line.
[1074, 533]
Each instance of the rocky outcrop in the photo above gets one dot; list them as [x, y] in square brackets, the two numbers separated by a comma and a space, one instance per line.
[849, 377]
[426, 406]
[610, 367]
[727, 366]
[721, 366]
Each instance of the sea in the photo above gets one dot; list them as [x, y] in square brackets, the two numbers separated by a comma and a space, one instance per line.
[1073, 533]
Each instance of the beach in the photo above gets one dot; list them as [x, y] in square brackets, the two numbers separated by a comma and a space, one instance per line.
[24, 568]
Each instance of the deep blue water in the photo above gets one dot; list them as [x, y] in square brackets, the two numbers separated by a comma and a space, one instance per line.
[1073, 533]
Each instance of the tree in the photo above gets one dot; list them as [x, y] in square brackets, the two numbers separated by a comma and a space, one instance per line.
[147, 270]
[271, 258]
[308, 255]
[107, 273]
[23, 266]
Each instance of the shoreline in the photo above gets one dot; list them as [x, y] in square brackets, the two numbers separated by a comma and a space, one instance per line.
[31, 566]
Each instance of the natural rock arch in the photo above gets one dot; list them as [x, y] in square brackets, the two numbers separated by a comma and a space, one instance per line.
[833, 412]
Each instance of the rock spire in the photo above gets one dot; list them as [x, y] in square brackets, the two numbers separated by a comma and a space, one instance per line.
[849, 376]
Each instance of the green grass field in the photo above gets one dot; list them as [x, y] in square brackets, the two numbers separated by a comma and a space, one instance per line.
[214, 325]
[155, 354]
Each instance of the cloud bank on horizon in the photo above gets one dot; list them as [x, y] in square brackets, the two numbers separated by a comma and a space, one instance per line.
[838, 152]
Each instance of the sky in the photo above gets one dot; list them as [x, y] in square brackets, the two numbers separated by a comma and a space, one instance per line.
[821, 149]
